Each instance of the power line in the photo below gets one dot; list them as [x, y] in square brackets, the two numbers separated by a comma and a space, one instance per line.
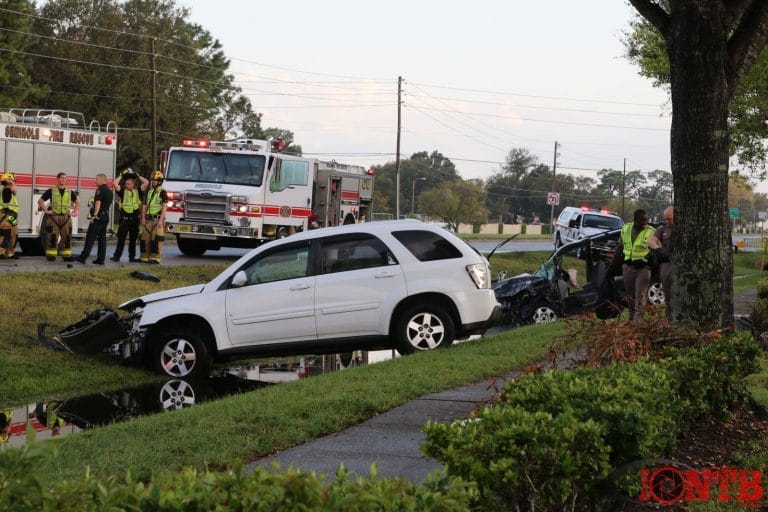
[502, 93]
[480, 141]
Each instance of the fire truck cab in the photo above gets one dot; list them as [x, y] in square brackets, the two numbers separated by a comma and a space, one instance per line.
[36, 145]
[245, 192]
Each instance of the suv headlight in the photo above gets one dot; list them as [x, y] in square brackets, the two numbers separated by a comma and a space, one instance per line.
[480, 274]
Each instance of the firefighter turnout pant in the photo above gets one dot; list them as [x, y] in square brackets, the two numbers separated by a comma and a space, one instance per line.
[58, 236]
[128, 228]
[8, 230]
[152, 238]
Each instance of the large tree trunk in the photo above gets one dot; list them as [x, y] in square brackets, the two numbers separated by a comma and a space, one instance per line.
[702, 260]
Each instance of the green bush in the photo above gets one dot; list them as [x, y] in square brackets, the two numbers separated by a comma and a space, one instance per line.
[554, 436]
[762, 288]
[759, 316]
[22, 490]
[546, 229]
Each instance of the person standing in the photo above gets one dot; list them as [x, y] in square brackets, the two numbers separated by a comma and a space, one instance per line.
[58, 223]
[129, 202]
[99, 220]
[632, 253]
[662, 241]
[9, 216]
[153, 220]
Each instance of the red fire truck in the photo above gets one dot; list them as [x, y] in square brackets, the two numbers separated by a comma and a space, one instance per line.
[241, 193]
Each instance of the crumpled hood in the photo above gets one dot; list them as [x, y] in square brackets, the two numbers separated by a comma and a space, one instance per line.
[167, 294]
[513, 285]
[586, 232]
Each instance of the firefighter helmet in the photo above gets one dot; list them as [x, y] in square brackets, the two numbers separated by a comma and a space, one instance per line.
[158, 175]
[8, 176]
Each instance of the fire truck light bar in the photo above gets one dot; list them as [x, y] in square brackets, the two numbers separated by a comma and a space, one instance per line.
[199, 143]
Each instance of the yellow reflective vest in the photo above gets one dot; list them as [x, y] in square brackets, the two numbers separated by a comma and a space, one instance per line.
[636, 250]
[60, 201]
[131, 201]
[13, 205]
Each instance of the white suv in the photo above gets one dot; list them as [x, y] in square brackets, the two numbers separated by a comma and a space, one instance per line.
[576, 223]
[402, 284]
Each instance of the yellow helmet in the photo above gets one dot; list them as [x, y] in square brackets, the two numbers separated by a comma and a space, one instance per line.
[158, 175]
[8, 176]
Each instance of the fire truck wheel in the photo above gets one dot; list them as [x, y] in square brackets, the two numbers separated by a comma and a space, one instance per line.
[422, 327]
[191, 247]
[31, 247]
[180, 353]
[349, 219]
[282, 232]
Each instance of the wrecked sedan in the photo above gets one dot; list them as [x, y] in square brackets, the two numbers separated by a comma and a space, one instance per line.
[394, 284]
[556, 288]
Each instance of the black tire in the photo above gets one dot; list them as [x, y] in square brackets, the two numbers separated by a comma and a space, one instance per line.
[191, 247]
[282, 232]
[31, 246]
[171, 351]
[419, 328]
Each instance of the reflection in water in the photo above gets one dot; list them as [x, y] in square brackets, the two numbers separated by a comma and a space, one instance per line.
[63, 417]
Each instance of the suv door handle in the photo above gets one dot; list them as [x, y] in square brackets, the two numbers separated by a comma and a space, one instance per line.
[382, 275]
[300, 287]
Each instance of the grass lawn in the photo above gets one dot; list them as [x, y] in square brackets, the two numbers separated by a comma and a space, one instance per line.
[247, 426]
[496, 236]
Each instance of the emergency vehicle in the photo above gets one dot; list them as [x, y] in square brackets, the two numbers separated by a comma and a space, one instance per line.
[36, 145]
[244, 192]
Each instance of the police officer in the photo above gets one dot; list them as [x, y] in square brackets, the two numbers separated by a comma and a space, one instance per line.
[58, 224]
[9, 216]
[632, 252]
[99, 220]
[662, 241]
[153, 220]
[129, 202]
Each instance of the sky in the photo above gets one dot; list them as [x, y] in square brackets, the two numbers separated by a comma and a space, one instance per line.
[480, 78]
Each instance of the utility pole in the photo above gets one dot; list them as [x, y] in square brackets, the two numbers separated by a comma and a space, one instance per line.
[554, 171]
[623, 187]
[397, 152]
[153, 129]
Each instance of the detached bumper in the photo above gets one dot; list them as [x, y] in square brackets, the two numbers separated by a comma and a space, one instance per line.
[481, 327]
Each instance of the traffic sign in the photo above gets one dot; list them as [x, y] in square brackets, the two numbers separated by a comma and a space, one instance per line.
[553, 199]
[733, 212]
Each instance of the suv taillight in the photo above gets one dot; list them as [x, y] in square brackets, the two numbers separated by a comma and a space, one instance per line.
[480, 274]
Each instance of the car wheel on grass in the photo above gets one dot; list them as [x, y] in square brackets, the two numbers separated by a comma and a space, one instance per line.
[420, 328]
[180, 353]
[543, 314]
[656, 294]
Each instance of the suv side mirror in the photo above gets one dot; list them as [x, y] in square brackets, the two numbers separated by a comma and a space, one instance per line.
[240, 279]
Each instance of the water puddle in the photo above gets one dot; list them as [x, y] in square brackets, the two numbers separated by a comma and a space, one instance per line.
[58, 418]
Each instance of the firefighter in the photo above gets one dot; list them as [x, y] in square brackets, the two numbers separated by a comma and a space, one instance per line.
[129, 202]
[632, 252]
[153, 220]
[58, 225]
[9, 216]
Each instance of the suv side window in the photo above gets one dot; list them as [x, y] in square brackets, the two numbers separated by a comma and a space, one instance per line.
[427, 245]
[342, 254]
[287, 262]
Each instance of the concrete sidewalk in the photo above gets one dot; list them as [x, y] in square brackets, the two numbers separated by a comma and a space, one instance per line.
[393, 439]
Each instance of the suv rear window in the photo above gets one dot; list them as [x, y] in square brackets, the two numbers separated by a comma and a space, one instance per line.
[426, 245]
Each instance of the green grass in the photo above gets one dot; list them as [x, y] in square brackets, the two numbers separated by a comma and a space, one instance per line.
[30, 372]
[496, 236]
[514, 263]
[746, 270]
[758, 384]
[248, 426]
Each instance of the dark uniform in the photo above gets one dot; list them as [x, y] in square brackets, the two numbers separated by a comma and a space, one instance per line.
[97, 230]
[664, 235]
[130, 210]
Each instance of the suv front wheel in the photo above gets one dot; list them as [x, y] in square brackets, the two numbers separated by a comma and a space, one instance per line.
[180, 353]
[420, 328]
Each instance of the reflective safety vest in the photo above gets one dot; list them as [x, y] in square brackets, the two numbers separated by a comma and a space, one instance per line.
[60, 201]
[131, 201]
[636, 250]
[13, 205]
[155, 201]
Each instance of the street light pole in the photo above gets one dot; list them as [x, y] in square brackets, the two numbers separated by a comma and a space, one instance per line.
[413, 193]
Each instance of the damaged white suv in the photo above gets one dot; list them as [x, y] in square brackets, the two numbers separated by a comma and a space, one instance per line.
[400, 284]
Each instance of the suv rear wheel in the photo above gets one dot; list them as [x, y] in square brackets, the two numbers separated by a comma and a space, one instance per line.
[420, 328]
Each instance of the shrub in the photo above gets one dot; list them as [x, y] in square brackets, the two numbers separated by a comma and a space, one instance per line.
[22, 490]
[762, 288]
[759, 316]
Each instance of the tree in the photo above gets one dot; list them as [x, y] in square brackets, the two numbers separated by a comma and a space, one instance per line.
[504, 186]
[456, 202]
[287, 136]
[710, 45]
[646, 47]
[15, 83]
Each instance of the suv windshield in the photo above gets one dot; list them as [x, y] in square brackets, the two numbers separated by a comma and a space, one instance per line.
[216, 168]
[602, 222]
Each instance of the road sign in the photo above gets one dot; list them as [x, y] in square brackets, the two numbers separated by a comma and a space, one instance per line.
[733, 212]
[553, 199]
